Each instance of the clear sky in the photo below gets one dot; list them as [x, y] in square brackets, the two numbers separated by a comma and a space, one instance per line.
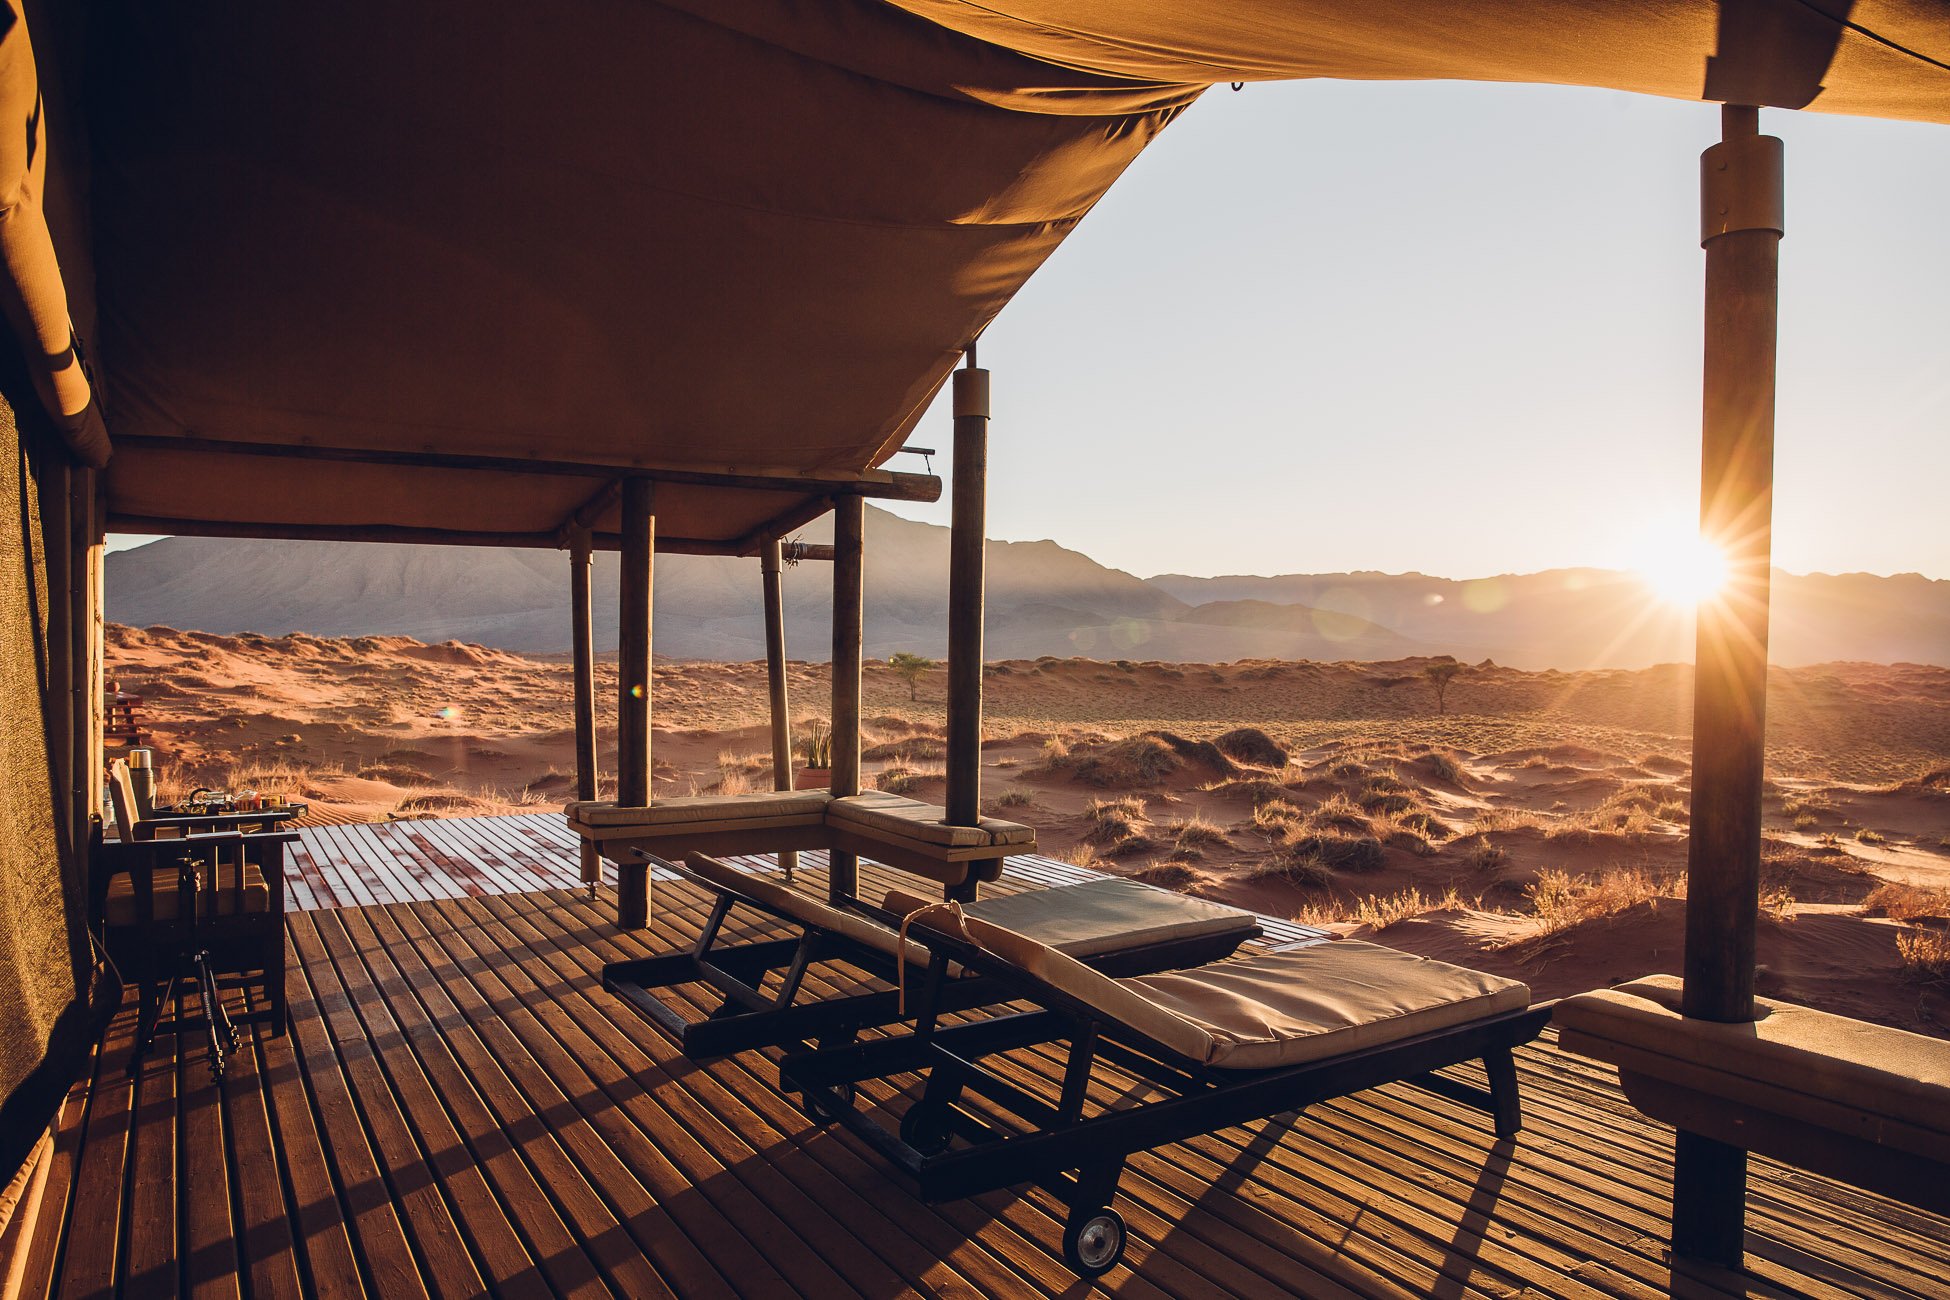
[1456, 328]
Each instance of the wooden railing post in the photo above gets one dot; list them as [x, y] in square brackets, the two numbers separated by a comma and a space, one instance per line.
[1741, 216]
[966, 579]
[849, 597]
[633, 771]
[582, 643]
[769, 565]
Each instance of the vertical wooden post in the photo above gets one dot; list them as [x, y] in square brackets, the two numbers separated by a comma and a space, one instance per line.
[849, 612]
[55, 478]
[966, 577]
[582, 643]
[1741, 218]
[769, 563]
[633, 772]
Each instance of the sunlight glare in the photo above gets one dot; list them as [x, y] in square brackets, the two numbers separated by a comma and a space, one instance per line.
[1681, 567]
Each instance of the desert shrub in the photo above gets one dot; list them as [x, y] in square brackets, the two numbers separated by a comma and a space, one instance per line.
[1483, 855]
[1083, 855]
[1141, 760]
[1379, 911]
[1388, 804]
[1933, 780]
[1251, 745]
[1909, 902]
[908, 749]
[1340, 813]
[1170, 875]
[1673, 811]
[1193, 831]
[747, 763]
[1293, 869]
[1491, 820]
[1425, 824]
[1258, 789]
[1276, 815]
[1867, 836]
[1013, 799]
[906, 780]
[1560, 899]
[1442, 766]
[1806, 821]
[1925, 955]
[1356, 853]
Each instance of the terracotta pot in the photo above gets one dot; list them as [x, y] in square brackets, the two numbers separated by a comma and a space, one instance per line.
[812, 778]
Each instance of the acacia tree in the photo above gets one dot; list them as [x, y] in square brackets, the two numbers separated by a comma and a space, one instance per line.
[911, 666]
[1440, 674]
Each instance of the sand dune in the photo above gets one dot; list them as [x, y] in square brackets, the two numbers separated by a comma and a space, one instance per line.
[1537, 826]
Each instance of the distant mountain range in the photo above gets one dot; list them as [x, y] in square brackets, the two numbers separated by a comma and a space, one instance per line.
[1043, 600]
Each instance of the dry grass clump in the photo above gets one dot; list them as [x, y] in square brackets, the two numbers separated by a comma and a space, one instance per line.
[1293, 869]
[1560, 899]
[1361, 854]
[1194, 831]
[1909, 902]
[1258, 789]
[1341, 813]
[1013, 799]
[1483, 855]
[1119, 826]
[1934, 780]
[1253, 746]
[1925, 955]
[1867, 836]
[1276, 815]
[901, 779]
[1140, 760]
[1491, 820]
[1379, 911]
[908, 750]
[435, 805]
[1083, 855]
[391, 774]
[750, 764]
[1443, 767]
[1406, 832]
[1170, 875]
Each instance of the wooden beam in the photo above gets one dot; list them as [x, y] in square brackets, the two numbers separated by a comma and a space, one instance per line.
[889, 485]
[549, 541]
[769, 564]
[849, 596]
[633, 770]
[583, 518]
[793, 552]
[583, 659]
[794, 517]
[1741, 213]
[966, 582]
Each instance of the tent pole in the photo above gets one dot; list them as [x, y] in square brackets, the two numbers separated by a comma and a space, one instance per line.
[582, 641]
[965, 595]
[1741, 216]
[769, 564]
[849, 594]
[633, 772]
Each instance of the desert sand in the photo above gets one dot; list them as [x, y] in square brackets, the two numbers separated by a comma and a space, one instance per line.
[1533, 824]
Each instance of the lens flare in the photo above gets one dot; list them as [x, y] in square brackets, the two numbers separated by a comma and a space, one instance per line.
[446, 713]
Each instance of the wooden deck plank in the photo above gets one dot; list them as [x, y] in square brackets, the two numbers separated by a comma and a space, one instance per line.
[461, 1108]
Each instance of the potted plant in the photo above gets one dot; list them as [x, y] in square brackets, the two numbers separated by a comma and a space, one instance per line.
[817, 748]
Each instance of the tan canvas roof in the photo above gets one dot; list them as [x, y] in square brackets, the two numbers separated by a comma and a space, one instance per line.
[459, 240]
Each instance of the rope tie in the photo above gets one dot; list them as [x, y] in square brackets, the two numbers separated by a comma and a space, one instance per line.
[957, 925]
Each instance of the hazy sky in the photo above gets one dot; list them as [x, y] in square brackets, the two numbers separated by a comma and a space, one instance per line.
[1456, 328]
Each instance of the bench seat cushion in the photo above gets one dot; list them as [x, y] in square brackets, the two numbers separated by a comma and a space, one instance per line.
[773, 807]
[121, 906]
[1099, 916]
[1875, 1069]
[878, 812]
[1274, 1009]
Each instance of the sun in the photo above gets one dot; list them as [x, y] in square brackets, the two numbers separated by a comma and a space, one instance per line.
[1682, 568]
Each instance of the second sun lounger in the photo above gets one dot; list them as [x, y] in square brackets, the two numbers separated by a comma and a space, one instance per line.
[1119, 926]
[1225, 1044]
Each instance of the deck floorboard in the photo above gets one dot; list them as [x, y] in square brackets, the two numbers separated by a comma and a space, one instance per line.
[461, 1109]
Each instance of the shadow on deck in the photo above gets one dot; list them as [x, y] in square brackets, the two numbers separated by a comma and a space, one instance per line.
[461, 1109]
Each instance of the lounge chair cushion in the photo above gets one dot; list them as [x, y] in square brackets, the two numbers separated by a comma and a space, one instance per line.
[1871, 1068]
[121, 906]
[1275, 1009]
[770, 807]
[803, 907]
[882, 813]
[1098, 916]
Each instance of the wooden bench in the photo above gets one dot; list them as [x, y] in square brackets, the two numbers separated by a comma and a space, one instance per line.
[1862, 1103]
[903, 833]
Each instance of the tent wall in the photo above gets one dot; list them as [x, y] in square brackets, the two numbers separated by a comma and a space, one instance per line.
[43, 1033]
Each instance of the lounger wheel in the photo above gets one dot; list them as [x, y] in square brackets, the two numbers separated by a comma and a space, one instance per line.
[1094, 1242]
[926, 1129]
[817, 1111]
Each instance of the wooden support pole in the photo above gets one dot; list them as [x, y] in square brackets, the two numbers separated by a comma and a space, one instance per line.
[966, 577]
[633, 772]
[849, 598]
[582, 643]
[770, 564]
[1741, 216]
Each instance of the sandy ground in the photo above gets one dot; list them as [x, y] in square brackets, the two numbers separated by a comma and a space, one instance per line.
[1535, 827]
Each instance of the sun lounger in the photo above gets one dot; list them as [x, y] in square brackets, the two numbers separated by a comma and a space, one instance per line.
[1226, 1043]
[1115, 925]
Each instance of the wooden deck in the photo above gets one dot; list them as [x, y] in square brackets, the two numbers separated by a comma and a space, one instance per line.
[460, 1109]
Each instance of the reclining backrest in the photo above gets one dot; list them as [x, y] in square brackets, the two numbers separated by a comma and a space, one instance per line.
[121, 797]
[800, 907]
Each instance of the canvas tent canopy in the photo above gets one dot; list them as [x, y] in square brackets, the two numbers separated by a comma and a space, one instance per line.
[447, 270]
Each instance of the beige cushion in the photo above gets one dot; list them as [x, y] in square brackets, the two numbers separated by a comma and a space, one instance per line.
[122, 907]
[776, 807]
[893, 814]
[803, 907]
[1098, 916]
[1275, 1009]
[1888, 1072]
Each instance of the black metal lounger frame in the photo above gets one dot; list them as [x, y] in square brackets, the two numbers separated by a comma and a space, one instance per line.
[1080, 1157]
[751, 1016]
